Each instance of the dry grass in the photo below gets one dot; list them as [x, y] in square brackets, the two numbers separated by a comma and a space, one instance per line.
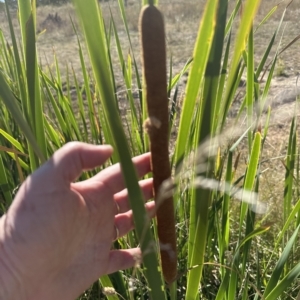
[182, 21]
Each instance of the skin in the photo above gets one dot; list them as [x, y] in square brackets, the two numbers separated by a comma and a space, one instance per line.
[56, 238]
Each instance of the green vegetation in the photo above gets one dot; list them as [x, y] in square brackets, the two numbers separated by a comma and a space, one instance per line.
[227, 249]
[40, 2]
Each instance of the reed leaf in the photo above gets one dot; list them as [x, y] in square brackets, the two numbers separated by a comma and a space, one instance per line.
[93, 27]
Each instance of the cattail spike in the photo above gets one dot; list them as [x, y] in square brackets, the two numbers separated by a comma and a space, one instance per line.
[157, 126]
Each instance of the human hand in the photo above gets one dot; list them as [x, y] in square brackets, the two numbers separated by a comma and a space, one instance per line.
[56, 237]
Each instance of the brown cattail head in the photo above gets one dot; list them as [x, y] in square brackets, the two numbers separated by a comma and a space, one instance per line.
[157, 126]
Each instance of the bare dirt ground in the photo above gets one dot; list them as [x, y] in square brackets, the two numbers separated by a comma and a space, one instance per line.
[56, 35]
[182, 18]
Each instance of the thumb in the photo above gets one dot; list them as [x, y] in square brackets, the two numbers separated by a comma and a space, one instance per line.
[73, 158]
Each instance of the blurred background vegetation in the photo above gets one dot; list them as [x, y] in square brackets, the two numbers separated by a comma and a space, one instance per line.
[241, 254]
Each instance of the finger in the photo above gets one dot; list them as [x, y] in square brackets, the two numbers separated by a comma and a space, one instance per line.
[124, 222]
[123, 259]
[121, 198]
[112, 176]
[75, 157]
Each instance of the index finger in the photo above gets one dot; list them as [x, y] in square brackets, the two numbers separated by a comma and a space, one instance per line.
[112, 177]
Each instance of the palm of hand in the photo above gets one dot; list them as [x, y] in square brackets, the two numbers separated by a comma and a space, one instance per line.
[63, 231]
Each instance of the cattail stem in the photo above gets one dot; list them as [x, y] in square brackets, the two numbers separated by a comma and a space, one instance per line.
[157, 126]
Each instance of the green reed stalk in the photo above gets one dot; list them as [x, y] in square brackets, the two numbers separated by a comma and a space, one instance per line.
[33, 102]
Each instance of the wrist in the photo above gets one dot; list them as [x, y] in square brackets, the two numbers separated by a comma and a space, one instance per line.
[9, 287]
[22, 283]
[10, 283]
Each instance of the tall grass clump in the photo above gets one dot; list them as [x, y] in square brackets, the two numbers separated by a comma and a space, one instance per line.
[225, 243]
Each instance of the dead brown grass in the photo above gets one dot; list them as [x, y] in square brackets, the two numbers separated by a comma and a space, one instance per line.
[182, 21]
